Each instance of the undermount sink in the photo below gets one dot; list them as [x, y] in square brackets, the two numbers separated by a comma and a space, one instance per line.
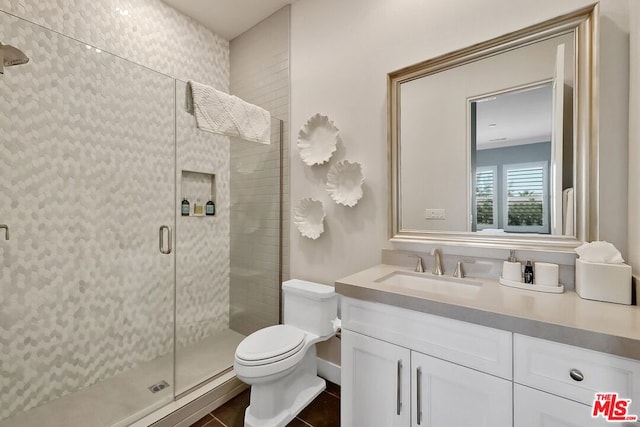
[429, 283]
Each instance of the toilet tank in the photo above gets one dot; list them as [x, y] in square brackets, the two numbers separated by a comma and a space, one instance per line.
[309, 306]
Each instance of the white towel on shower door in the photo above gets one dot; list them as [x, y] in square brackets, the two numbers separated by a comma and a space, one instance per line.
[225, 114]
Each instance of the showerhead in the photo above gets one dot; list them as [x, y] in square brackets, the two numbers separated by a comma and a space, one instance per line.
[10, 55]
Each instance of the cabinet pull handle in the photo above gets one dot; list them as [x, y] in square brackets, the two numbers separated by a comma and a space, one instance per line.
[576, 375]
[161, 240]
[419, 395]
[399, 387]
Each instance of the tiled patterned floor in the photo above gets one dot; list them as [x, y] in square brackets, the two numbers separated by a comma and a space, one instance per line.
[324, 411]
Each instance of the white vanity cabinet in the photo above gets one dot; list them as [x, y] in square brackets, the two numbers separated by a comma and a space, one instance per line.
[390, 376]
[389, 385]
[402, 367]
[471, 359]
[567, 379]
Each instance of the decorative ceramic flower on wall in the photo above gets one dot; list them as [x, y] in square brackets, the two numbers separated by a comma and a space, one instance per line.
[344, 183]
[317, 140]
[308, 217]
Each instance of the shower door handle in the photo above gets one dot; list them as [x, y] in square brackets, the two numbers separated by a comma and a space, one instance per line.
[161, 239]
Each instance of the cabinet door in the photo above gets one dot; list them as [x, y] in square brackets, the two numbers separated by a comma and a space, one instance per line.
[375, 382]
[446, 394]
[533, 408]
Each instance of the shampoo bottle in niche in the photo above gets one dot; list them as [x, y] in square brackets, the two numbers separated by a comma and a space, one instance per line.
[185, 208]
[528, 273]
[210, 208]
[198, 207]
[512, 269]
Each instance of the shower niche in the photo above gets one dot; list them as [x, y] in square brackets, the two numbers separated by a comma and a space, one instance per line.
[197, 194]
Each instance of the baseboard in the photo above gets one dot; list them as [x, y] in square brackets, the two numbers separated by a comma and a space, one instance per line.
[329, 371]
[223, 394]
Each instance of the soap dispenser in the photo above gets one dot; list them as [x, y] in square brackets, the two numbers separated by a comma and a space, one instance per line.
[512, 269]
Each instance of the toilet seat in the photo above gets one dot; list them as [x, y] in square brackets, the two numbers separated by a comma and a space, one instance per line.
[270, 345]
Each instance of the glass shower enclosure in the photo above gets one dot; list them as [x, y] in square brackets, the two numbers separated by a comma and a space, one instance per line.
[112, 303]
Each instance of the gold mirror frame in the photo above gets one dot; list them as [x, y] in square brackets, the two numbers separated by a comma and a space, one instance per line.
[584, 24]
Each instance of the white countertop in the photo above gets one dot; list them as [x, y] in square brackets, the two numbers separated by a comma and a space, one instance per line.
[565, 317]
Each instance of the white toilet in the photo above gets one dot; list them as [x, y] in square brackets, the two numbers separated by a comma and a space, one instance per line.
[279, 362]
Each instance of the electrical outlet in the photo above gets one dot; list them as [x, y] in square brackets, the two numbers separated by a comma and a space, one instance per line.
[435, 214]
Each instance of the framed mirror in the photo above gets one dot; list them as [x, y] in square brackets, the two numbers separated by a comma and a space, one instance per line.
[495, 144]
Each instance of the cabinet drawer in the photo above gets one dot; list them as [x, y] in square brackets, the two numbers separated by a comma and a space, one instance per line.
[548, 366]
[534, 408]
[478, 347]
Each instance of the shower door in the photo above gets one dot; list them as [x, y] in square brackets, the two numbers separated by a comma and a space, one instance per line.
[228, 265]
[87, 180]
[204, 343]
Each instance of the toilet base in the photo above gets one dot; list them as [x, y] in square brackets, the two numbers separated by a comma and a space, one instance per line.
[274, 404]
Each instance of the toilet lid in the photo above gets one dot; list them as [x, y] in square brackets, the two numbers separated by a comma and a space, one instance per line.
[270, 344]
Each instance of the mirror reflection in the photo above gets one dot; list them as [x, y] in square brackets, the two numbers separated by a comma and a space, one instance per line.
[511, 161]
[487, 147]
[496, 144]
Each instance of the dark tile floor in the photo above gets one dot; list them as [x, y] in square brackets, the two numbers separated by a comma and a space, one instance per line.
[324, 411]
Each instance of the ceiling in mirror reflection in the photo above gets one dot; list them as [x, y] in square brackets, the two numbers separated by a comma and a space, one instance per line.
[514, 118]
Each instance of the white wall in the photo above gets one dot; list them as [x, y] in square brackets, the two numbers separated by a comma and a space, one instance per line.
[614, 123]
[634, 139]
[341, 53]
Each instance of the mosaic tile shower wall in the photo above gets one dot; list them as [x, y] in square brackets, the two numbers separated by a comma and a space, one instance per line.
[147, 32]
[87, 175]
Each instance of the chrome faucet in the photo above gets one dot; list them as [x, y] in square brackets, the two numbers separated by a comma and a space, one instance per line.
[438, 270]
[419, 266]
[459, 270]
